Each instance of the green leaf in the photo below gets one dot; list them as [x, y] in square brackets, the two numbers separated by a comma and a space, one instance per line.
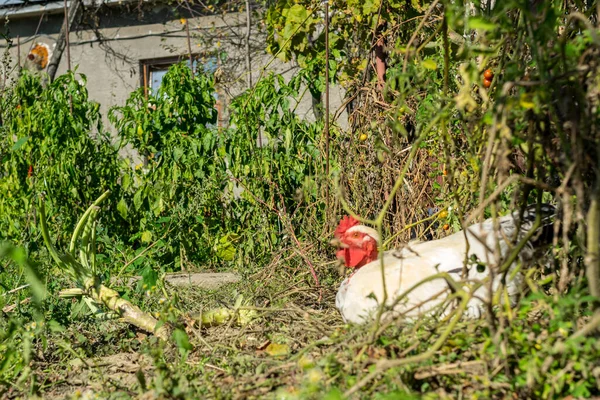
[177, 153]
[182, 341]
[20, 143]
[225, 248]
[158, 206]
[429, 64]
[149, 277]
[137, 199]
[146, 236]
[122, 208]
[297, 13]
[481, 24]
[334, 394]
[276, 349]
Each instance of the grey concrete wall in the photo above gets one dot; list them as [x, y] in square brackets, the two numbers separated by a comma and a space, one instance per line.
[112, 67]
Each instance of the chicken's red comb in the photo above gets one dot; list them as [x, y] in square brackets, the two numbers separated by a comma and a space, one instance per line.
[346, 223]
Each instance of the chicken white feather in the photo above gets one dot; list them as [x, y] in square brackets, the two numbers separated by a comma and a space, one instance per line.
[359, 296]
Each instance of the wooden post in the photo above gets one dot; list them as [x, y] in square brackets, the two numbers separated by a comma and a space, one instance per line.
[327, 199]
[63, 38]
[19, 53]
[145, 72]
[247, 42]
[189, 43]
[67, 35]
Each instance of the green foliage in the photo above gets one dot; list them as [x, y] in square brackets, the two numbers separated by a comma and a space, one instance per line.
[182, 108]
[242, 196]
[51, 141]
[178, 193]
[17, 334]
[295, 31]
[547, 362]
[276, 159]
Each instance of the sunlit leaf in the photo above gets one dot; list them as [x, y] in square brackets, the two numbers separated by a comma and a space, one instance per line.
[429, 64]
[481, 24]
[275, 349]
[19, 143]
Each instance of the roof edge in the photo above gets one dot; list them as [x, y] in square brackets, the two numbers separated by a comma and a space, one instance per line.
[54, 7]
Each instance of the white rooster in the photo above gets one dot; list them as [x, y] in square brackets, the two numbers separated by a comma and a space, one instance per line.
[360, 294]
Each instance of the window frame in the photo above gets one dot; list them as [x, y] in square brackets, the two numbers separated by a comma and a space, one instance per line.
[160, 63]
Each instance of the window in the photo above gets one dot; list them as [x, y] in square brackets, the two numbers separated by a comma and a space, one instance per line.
[153, 70]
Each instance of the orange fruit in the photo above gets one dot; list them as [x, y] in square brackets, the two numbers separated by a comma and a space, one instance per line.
[488, 74]
[446, 227]
[487, 83]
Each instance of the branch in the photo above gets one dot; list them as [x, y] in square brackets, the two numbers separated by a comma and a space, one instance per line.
[61, 41]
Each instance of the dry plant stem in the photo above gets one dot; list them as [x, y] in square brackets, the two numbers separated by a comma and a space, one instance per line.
[592, 258]
[61, 41]
[290, 228]
[129, 312]
[434, 217]
[91, 287]
[328, 214]
[379, 220]
[247, 44]
[189, 44]
[491, 142]
[588, 328]
[373, 36]
[442, 275]
[264, 69]
[383, 365]
[416, 32]
[16, 289]
[411, 156]
[386, 206]
[517, 249]
[484, 203]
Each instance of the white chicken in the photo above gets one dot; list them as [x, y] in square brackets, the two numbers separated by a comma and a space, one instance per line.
[360, 294]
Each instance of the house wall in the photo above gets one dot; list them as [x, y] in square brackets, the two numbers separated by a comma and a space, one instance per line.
[112, 67]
